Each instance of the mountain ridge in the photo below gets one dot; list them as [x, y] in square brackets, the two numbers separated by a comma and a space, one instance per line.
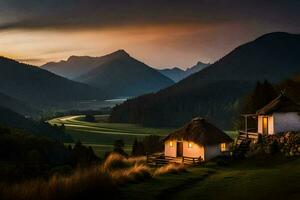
[34, 85]
[117, 73]
[273, 57]
[177, 74]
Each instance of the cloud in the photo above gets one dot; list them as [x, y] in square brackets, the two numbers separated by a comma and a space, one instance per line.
[79, 14]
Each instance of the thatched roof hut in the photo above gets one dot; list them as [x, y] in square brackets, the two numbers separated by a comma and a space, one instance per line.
[200, 132]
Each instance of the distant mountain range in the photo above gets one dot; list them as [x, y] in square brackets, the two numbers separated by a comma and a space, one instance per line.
[39, 87]
[215, 92]
[177, 74]
[118, 74]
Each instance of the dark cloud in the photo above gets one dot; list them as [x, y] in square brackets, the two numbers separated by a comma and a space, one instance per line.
[77, 14]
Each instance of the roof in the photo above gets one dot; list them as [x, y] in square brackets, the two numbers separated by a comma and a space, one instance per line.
[200, 132]
[281, 104]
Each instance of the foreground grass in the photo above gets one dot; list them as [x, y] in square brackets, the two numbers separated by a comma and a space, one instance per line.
[249, 179]
[101, 136]
[121, 178]
[99, 180]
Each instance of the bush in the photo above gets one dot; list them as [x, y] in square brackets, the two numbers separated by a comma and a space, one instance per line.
[115, 161]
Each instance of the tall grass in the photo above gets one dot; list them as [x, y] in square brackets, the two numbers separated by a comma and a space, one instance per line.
[99, 180]
[170, 169]
[81, 183]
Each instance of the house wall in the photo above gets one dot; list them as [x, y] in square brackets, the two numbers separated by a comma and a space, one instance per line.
[170, 151]
[196, 151]
[212, 151]
[286, 122]
[207, 152]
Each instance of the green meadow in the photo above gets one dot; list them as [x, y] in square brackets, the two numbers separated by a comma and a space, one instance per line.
[266, 178]
[101, 135]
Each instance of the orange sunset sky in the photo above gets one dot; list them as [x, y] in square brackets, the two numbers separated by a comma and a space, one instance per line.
[159, 33]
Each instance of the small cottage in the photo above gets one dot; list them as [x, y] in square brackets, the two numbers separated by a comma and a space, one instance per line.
[197, 139]
[280, 115]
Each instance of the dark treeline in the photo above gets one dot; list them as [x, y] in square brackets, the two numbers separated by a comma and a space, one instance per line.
[9, 118]
[217, 102]
[150, 144]
[24, 156]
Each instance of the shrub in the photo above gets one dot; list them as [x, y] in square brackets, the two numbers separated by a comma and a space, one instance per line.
[115, 161]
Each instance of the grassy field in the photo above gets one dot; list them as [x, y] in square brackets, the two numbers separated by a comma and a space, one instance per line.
[101, 135]
[249, 179]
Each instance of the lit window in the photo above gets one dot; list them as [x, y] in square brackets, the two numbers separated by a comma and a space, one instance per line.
[223, 147]
[171, 143]
[190, 145]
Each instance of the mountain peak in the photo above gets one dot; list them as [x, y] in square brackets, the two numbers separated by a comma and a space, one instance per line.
[120, 52]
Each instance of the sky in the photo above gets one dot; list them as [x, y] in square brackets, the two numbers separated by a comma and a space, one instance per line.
[161, 33]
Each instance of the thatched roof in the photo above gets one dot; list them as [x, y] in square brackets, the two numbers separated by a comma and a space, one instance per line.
[281, 104]
[200, 132]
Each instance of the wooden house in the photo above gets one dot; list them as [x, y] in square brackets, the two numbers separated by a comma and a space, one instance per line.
[280, 115]
[197, 139]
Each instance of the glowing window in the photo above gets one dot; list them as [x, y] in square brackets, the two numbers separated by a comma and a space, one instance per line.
[190, 145]
[171, 143]
[223, 147]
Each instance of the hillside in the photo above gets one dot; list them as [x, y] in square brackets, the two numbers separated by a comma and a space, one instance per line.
[11, 119]
[18, 106]
[40, 87]
[177, 74]
[215, 91]
[125, 76]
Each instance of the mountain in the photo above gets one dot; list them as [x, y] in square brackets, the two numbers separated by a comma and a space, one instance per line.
[39, 87]
[18, 106]
[125, 76]
[196, 68]
[177, 74]
[117, 73]
[215, 92]
[76, 66]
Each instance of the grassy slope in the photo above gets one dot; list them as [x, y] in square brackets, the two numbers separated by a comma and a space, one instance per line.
[101, 136]
[268, 179]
